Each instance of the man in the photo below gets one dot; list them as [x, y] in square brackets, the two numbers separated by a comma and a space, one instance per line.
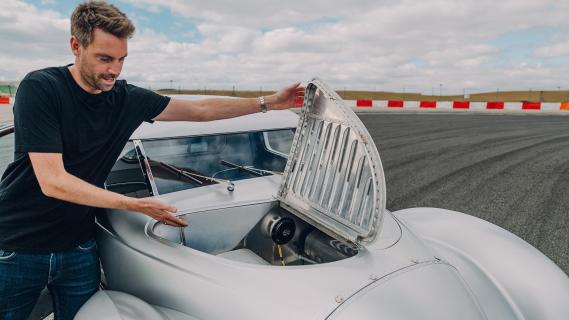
[71, 124]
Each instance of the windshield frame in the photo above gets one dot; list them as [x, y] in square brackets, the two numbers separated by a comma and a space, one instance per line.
[268, 145]
[145, 166]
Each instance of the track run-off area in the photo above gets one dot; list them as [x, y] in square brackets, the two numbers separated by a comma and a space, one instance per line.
[511, 170]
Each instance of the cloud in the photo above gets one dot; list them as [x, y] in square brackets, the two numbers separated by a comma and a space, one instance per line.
[387, 45]
[31, 39]
[558, 49]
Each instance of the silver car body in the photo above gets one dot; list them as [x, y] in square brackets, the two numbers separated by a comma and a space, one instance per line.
[349, 258]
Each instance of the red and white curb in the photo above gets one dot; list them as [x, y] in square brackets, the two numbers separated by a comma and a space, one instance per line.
[459, 105]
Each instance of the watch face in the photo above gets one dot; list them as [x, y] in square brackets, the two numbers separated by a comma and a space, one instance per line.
[262, 104]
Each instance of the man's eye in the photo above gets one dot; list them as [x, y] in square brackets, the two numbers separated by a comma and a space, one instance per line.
[104, 59]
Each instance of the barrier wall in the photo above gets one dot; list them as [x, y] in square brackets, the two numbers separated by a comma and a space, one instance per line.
[446, 105]
[363, 103]
[395, 104]
[411, 104]
[461, 105]
[428, 104]
[531, 106]
[553, 107]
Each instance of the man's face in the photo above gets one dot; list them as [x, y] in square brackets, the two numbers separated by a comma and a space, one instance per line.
[100, 63]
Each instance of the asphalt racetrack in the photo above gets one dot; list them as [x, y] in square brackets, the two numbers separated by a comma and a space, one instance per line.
[511, 170]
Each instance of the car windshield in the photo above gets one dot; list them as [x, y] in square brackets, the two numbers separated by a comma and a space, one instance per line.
[189, 162]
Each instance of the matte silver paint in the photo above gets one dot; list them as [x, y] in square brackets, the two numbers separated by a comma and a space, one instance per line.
[424, 263]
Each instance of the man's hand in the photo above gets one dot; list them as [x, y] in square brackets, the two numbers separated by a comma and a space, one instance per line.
[157, 210]
[286, 97]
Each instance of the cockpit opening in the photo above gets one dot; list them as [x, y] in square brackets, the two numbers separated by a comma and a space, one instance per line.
[260, 234]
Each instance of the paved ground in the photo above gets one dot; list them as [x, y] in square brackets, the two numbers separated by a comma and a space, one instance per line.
[512, 170]
[6, 113]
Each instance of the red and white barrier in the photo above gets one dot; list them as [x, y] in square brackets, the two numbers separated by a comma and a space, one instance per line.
[395, 104]
[4, 100]
[444, 105]
[364, 103]
[461, 105]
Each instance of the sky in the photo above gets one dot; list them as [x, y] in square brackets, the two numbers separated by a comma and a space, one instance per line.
[435, 46]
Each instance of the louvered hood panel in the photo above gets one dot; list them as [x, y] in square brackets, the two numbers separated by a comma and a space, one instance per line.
[334, 177]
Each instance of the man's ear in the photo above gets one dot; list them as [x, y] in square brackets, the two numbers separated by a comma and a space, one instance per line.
[75, 46]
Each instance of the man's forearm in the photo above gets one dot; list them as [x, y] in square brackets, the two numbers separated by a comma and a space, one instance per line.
[72, 189]
[57, 183]
[210, 109]
[224, 108]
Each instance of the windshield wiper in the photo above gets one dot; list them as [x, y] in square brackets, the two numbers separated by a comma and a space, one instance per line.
[195, 177]
[250, 169]
[180, 172]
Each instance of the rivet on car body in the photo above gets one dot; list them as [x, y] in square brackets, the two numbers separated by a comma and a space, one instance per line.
[339, 299]
[415, 261]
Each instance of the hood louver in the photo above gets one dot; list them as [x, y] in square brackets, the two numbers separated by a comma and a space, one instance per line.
[334, 177]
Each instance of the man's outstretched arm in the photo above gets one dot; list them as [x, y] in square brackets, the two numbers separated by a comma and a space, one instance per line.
[57, 183]
[223, 108]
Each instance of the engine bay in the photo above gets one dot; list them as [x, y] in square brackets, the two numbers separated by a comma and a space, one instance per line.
[281, 238]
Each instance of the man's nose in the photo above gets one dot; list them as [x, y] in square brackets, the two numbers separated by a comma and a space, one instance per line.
[115, 68]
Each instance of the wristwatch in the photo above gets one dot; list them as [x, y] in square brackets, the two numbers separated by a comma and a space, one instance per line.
[262, 104]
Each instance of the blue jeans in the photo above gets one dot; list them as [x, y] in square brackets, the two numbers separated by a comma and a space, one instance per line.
[72, 277]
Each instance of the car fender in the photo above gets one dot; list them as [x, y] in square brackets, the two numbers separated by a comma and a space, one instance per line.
[115, 305]
[504, 271]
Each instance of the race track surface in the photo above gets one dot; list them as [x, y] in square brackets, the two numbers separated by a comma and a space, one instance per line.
[511, 170]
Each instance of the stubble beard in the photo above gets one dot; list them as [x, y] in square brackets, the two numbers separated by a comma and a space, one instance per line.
[91, 80]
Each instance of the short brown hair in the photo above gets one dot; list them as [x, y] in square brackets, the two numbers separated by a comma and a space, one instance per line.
[98, 14]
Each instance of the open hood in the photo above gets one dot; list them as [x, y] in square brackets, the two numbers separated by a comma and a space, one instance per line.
[334, 177]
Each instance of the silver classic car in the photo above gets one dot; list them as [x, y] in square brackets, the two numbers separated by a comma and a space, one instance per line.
[287, 220]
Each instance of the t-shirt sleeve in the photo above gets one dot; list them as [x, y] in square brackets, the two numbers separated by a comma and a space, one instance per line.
[36, 121]
[149, 104]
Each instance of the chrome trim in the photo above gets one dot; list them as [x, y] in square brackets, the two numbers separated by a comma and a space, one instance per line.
[145, 166]
[268, 146]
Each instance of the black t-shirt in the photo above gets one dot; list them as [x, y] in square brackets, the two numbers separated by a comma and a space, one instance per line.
[53, 114]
